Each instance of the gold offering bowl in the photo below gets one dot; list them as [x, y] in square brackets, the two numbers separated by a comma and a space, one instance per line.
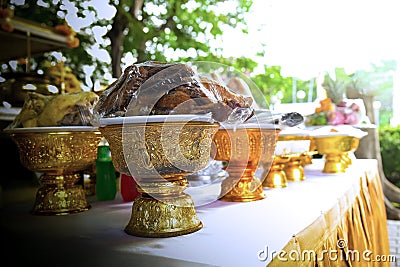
[244, 148]
[346, 158]
[276, 176]
[59, 153]
[335, 149]
[159, 155]
[299, 155]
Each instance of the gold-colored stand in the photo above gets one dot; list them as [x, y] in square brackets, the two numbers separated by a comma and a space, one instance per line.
[243, 149]
[241, 185]
[60, 195]
[335, 163]
[335, 149]
[294, 169]
[159, 156]
[298, 158]
[306, 158]
[346, 157]
[276, 177]
[59, 154]
[163, 213]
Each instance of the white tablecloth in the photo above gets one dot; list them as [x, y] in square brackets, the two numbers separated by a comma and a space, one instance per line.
[234, 234]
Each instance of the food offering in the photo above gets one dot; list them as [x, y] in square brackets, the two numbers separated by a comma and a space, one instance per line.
[345, 112]
[159, 119]
[156, 88]
[54, 137]
[71, 109]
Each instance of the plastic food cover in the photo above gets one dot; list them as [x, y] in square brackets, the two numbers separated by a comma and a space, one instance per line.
[156, 88]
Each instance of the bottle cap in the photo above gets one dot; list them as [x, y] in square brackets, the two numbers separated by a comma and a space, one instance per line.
[103, 152]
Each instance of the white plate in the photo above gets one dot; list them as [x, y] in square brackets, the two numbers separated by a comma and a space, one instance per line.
[294, 133]
[52, 129]
[330, 134]
[156, 118]
[338, 130]
[249, 125]
[292, 147]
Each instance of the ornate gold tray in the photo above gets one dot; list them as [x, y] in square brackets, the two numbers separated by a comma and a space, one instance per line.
[159, 151]
[59, 153]
[244, 147]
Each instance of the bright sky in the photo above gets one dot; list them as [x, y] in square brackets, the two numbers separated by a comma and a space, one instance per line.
[309, 36]
[306, 37]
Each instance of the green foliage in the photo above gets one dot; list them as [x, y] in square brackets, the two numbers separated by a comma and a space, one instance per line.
[171, 30]
[161, 30]
[167, 30]
[389, 138]
[273, 84]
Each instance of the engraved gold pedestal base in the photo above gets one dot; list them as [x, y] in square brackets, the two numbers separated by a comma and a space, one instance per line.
[294, 170]
[244, 149]
[335, 163]
[306, 158]
[276, 177]
[163, 210]
[164, 217]
[347, 161]
[160, 156]
[60, 153]
[335, 149]
[240, 187]
[59, 195]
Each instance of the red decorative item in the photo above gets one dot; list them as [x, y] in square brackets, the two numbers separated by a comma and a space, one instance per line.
[128, 188]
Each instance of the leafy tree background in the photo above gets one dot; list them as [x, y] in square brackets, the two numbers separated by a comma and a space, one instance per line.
[171, 30]
[161, 30]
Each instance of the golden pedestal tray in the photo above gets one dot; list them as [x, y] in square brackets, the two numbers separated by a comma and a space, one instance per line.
[276, 176]
[307, 157]
[159, 151]
[294, 169]
[297, 146]
[59, 153]
[335, 148]
[346, 157]
[243, 148]
[336, 143]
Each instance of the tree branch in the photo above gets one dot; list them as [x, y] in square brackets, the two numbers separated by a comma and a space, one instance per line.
[116, 34]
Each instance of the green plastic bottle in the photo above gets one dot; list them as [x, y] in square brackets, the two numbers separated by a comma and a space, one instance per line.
[106, 183]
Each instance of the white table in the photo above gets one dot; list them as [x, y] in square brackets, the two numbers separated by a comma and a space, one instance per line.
[234, 234]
